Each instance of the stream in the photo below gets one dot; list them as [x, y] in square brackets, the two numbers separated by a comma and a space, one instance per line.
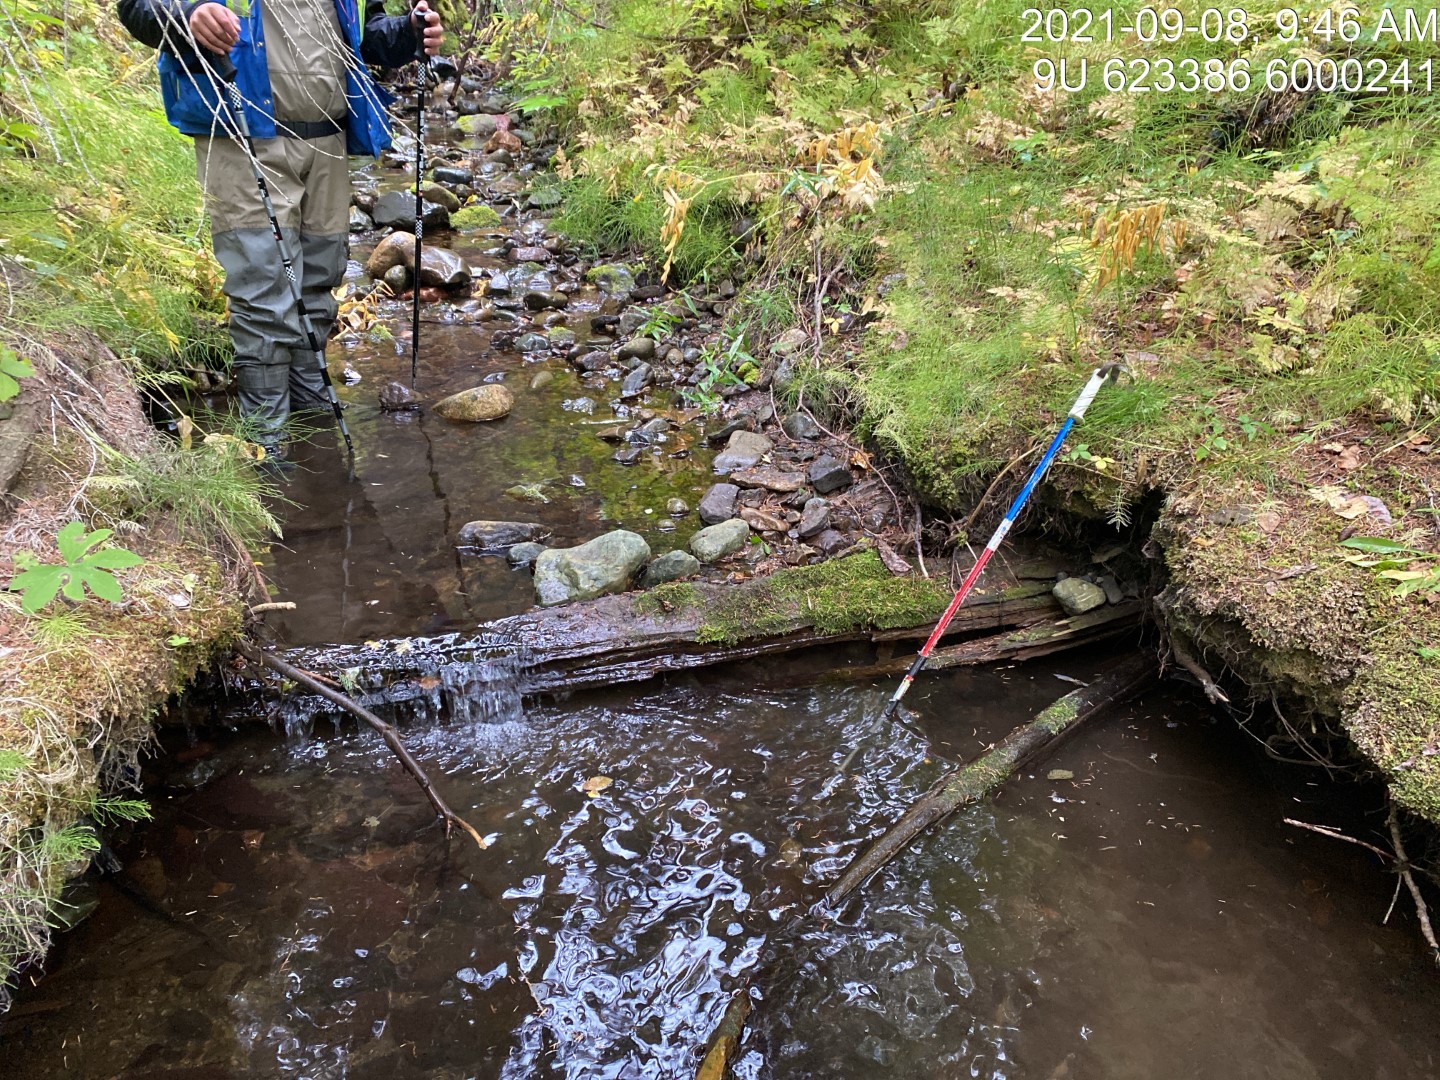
[1132, 907]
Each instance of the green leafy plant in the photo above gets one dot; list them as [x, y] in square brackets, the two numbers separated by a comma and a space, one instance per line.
[1394, 561]
[660, 323]
[13, 367]
[86, 565]
[723, 365]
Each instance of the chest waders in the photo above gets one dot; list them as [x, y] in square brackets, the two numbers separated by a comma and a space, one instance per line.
[225, 69]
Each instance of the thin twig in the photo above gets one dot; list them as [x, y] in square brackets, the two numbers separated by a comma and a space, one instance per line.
[274, 605]
[387, 732]
[1403, 869]
[1336, 834]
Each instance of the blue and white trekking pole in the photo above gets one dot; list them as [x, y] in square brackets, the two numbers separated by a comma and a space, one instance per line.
[1101, 376]
[422, 78]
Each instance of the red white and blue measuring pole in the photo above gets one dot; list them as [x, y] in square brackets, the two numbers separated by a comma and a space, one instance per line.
[1077, 412]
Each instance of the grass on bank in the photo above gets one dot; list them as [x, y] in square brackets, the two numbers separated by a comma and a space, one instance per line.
[1267, 263]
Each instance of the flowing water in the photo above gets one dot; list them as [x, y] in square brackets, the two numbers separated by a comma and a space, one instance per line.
[293, 910]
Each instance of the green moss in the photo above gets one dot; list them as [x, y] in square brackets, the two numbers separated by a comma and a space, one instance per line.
[1057, 717]
[671, 596]
[474, 217]
[833, 597]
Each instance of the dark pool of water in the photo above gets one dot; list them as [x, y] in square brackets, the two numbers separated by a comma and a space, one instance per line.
[1151, 917]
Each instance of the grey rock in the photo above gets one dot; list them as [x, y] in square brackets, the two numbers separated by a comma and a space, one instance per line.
[829, 474]
[542, 379]
[396, 210]
[671, 566]
[800, 426]
[613, 278]
[477, 125]
[532, 343]
[529, 254]
[442, 267]
[594, 360]
[450, 174]
[561, 337]
[678, 508]
[496, 536]
[627, 456]
[583, 405]
[441, 196]
[784, 374]
[543, 199]
[1113, 593]
[830, 541]
[1077, 596]
[524, 554]
[744, 449]
[398, 278]
[718, 504]
[717, 541]
[360, 221]
[397, 397]
[488, 402]
[498, 285]
[815, 518]
[493, 103]
[603, 565]
[636, 382]
[630, 322]
[790, 342]
[640, 348]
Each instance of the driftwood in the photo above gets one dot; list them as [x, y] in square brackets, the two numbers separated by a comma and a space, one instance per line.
[965, 784]
[387, 732]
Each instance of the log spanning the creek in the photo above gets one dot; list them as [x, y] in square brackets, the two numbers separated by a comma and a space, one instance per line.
[961, 786]
[684, 625]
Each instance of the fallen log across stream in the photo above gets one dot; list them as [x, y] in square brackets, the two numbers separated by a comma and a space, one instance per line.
[966, 784]
[635, 636]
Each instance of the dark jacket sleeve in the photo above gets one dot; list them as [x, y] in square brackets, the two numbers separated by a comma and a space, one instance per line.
[390, 40]
[162, 24]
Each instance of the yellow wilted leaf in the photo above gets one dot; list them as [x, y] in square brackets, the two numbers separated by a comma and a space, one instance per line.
[595, 785]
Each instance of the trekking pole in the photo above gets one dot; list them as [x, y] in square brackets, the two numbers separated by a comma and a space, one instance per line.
[225, 69]
[422, 78]
[1101, 376]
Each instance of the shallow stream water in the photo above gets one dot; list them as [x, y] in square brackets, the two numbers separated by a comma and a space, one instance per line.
[293, 911]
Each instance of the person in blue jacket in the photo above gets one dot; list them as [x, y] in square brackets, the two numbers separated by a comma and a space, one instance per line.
[310, 102]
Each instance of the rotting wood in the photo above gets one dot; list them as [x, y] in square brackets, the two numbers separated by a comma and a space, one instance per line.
[613, 640]
[387, 732]
[966, 784]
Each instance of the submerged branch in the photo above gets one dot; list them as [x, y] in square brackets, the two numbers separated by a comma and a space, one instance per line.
[387, 732]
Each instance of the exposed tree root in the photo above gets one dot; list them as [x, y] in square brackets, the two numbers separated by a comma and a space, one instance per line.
[387, 732]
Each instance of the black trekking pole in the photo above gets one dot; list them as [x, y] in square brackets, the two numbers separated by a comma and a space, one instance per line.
[225, 69]
[422, 77]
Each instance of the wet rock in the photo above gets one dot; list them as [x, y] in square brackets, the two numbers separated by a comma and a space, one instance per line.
[452, 174]
[397, 249]
[496, 536]
[592, 361]
[815, 518]
[800, 426]
[488, 402]
[1113, 593]
[360, 221]
[474, 217]
[790, 342]
[656, 425]
[493, 103]
[583, 405]
[542, 379]
[532, 343]
[829, 542]
[498, 285]
[637, 381]
[640, 348]
[365, 200]
[741, 421]
[770, 478]
[717, 541]
[603, 565]
[718, 504]
[561, 337]
[829, 474]
[678, 508]
[397, 397]
[763, 521]
[477, 125]
[396, 210]
[441, 196]
[539, 300]
[616, 279]
[1077, 596]
[529, 254]
[671, 566]
[442, 268]
[397, 278]
[744, 449]
[525, 554]
[631, 321]
[627, 456]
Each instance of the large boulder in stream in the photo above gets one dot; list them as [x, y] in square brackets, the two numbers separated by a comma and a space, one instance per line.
[396, 210]
[397, 249]
[488, 402]
[498, 536]
[474, 217]
[603, 565]
[440, 266]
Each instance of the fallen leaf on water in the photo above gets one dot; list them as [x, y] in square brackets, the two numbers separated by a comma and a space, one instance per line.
[1060, 774]
[790, 850]
[595, 785]
[372, 644]
[403, 648]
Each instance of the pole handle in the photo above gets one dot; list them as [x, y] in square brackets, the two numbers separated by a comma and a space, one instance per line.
[1103, 374]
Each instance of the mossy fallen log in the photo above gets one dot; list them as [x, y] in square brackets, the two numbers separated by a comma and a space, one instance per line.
[683, 625]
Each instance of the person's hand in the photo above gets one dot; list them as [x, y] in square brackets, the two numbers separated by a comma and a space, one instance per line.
[434, 33]
[215, 27]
